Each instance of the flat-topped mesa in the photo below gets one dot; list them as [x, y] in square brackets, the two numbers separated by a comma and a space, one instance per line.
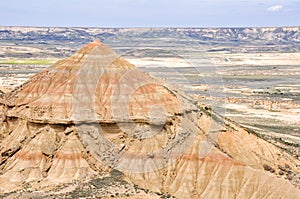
[82, 88]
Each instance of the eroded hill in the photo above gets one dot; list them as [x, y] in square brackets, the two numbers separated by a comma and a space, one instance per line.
[94, 114]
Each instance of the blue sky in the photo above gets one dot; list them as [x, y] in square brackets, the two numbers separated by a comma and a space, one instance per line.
[150, 13]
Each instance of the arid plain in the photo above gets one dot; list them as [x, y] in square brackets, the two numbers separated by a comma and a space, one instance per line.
[249, 75]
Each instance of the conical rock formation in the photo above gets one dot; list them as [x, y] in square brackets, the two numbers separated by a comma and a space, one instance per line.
[95, 111]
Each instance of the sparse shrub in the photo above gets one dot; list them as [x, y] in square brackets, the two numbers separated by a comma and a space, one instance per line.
[289, 177]
[287, 166]
[281, 173]
[268, 168]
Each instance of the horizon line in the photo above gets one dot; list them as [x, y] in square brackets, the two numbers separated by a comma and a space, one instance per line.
[154, 27]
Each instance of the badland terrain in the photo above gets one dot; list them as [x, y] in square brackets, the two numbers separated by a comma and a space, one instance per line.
[228, 112]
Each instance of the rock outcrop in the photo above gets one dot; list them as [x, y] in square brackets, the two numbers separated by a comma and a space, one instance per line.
[95, 112]
[3, 91]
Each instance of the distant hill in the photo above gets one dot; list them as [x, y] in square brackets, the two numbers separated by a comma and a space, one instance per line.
[206, 35]
[44, 42]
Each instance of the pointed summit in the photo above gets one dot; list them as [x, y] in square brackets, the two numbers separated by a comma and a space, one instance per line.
[97, 42]
[88, 82]
[97, 50]
[94, 113]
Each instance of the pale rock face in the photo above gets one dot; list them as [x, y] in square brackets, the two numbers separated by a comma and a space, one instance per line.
[95, 111]
[89, 82]
[3, 90]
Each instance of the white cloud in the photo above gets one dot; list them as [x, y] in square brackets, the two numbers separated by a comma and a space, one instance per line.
[275, 8]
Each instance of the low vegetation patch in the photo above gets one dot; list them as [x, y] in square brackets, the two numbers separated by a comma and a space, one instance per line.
[268, 168]
[27, 61]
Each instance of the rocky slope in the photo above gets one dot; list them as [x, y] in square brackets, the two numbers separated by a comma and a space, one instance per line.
[94, 113]
[3, 90]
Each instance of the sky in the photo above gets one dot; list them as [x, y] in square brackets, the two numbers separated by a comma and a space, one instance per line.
[150, 13]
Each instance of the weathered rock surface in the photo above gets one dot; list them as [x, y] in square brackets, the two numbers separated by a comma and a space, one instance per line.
[95, 112]
[2, 91]
[89, 81]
